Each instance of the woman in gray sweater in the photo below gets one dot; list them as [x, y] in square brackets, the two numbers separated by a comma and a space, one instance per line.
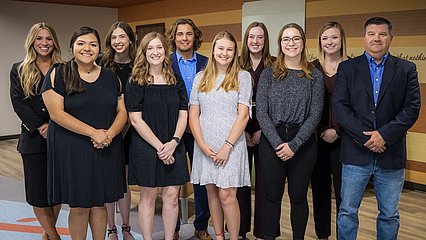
[290, 98]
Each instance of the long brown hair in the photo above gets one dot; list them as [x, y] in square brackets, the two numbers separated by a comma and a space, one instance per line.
[171, 33]
[29, 73]
[245, 60]
[230, 83]
[140, 72]
[280, 69]
[108, 56]
[321, 54]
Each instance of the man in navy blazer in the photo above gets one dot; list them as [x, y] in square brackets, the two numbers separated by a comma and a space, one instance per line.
[184, 39]
[376, 100]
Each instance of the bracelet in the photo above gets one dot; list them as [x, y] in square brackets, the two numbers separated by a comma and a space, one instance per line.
[229, 143]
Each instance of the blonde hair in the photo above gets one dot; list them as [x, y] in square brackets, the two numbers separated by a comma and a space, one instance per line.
[343, 53]
[29, 73]
[140, 72]
[230, 83]
[245, 60]
[280, 69]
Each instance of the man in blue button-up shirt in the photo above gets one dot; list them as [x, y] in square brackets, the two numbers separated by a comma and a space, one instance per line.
[184, 39]
[376, 100]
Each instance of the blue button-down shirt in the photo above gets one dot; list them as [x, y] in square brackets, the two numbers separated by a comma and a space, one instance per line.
[376, 74]
[188, 70]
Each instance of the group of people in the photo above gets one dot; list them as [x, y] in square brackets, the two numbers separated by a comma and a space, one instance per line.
[132, 115]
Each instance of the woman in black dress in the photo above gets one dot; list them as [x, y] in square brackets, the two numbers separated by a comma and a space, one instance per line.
[26, 77]
[85, 155]
[158, 109]
[119, 56]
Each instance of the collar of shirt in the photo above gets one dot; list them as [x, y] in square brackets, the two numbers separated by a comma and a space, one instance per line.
[182, 60]
[371, 60]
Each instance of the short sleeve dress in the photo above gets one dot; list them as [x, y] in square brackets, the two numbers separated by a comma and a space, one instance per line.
[160, 105]
[79, 174]
[218, 112]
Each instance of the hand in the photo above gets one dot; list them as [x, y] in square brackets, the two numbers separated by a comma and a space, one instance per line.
[208, 151]
[376, 143]
[100, 138]
[255, 138]
[284, 152]
[222, 156]
[169, 160]
[248, 139]
[167, 150]
[43, 130]
[329, 135]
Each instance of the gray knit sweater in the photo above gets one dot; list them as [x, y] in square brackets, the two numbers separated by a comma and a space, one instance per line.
[291, 100]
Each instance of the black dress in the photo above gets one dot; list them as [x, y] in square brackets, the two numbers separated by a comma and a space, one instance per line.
[79, 174]
[160, 105]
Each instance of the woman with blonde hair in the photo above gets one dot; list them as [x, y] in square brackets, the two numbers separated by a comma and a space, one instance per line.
[220, 102]
[158, 110]
[332, 51]
[290, 98]
[26, 77]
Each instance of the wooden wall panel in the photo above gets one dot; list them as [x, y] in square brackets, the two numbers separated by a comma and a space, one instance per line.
[404, 23]
[141, 12]
[175, 8]
[329, 8]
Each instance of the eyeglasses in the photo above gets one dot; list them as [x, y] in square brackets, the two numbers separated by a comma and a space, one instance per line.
[295, 39]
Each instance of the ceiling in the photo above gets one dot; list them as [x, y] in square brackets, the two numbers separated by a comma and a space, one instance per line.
[96, 3]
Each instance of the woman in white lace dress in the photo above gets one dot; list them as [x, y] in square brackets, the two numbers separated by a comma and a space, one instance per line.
[219, 111]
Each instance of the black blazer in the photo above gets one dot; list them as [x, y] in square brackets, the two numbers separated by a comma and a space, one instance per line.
[398, 107]
[32, 112]
[201, 63]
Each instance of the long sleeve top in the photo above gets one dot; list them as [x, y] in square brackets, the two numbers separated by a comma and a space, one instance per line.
[294, 99]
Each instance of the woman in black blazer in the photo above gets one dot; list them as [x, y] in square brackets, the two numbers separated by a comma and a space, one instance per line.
[26, 77]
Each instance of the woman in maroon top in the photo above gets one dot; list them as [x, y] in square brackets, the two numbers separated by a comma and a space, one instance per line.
[332, 51]
[254, 58]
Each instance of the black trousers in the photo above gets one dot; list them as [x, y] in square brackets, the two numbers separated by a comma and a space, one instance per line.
[271, 176]
[244, 195]
[328, 164]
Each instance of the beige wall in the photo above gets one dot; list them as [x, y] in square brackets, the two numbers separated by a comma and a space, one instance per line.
[16, 18]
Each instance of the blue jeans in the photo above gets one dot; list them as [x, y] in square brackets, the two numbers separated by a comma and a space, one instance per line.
[387, 187]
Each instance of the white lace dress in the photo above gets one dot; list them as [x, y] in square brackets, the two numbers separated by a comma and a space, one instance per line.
[218, 112]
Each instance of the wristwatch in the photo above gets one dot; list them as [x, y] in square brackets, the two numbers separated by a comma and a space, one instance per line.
[176, 139]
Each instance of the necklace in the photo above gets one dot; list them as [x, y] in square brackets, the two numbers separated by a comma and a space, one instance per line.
[122, 65]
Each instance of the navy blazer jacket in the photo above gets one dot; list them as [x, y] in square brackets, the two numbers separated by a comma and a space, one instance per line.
[32, 112]
[201, 63]
[397, 110]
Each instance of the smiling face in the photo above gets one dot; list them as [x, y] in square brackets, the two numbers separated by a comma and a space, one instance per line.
[184, 38]
[331, 41]
[291, 43]
[43, 43]
[86, 48]
[224, 51]
[155, 52]
[119, 40]
[377, 40]
[256, 40]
